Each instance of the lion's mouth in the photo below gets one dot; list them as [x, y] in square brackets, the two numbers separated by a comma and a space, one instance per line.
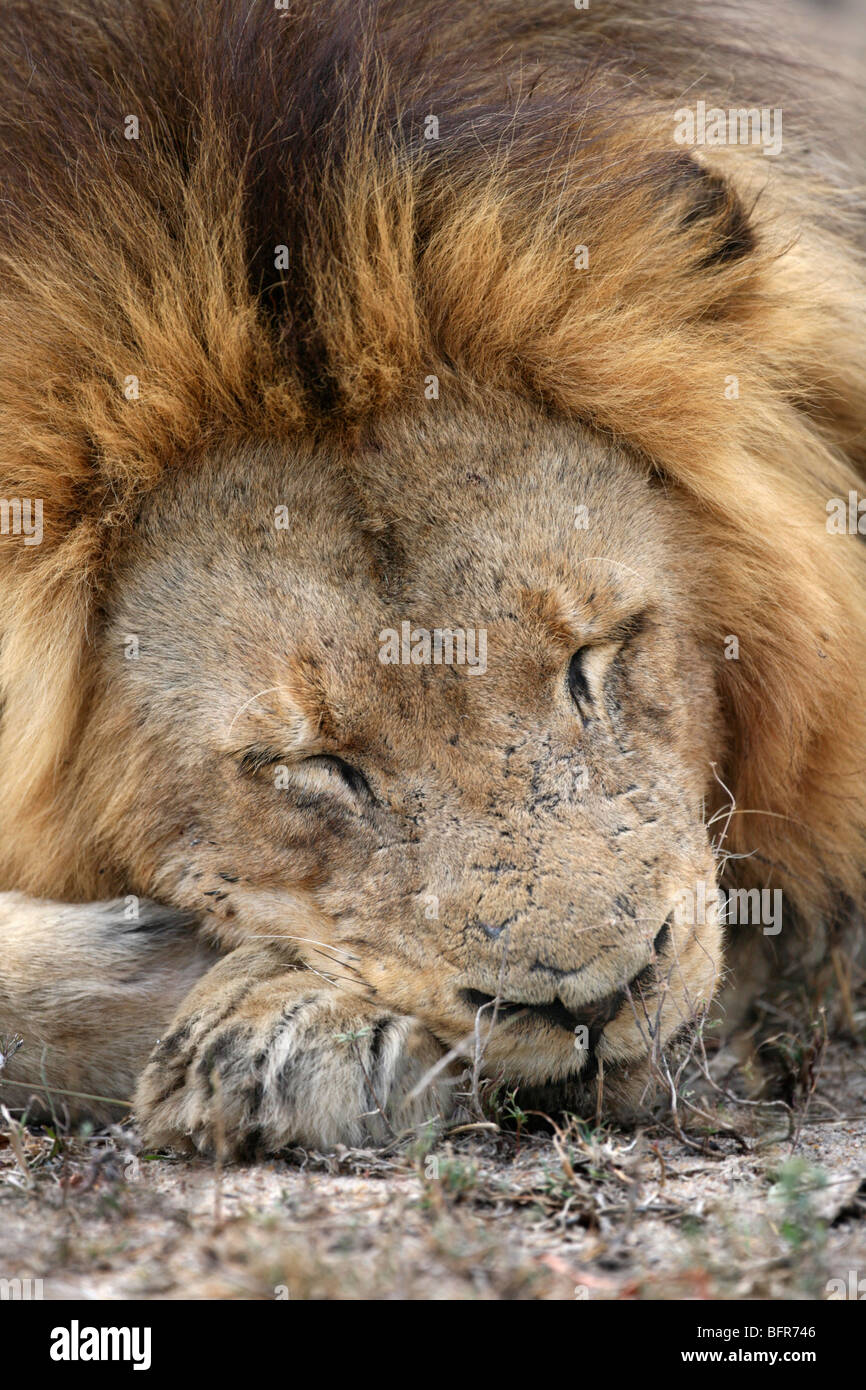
[593, 1017]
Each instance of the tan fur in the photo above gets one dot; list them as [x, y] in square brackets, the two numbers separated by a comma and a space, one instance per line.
[558, 389]
[82, 986]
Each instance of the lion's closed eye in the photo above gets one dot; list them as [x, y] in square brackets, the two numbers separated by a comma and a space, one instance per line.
[335, 767]
[587, 672]
[578, 681]
[590, 665]
[321, 771]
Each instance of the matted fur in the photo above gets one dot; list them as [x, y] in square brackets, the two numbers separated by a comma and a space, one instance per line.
[261, 128]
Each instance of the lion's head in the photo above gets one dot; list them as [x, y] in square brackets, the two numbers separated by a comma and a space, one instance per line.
[518, 823]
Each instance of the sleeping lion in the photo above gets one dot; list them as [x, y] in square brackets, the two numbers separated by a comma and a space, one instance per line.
[431, 562]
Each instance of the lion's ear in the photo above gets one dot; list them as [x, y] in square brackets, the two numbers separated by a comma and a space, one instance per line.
[713, 211]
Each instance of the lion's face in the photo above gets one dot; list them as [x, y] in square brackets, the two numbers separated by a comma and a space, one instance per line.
[520, 825]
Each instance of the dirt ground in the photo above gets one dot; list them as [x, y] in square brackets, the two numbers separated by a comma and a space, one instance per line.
[738, 1201]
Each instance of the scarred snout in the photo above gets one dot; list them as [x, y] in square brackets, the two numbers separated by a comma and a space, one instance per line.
[587, 1019]
[549, 1024]
[573, 953]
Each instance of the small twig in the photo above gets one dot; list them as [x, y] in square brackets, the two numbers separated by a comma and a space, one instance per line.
[599, 1093]
[479, 1046]
[59, 1091]
[15, 1132]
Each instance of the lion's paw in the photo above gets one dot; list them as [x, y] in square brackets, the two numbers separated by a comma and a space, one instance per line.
[284, 1063]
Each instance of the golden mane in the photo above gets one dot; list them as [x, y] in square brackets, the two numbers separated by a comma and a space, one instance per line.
[143, 320]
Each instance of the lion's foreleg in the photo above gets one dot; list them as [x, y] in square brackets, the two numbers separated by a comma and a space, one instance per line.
[88, 988]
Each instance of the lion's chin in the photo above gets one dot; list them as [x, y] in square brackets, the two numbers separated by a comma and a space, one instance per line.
[622, 1094]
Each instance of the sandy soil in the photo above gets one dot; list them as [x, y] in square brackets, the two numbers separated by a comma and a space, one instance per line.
[747, 1202]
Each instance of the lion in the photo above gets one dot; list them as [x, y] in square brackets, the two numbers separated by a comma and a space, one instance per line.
[431, 567]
